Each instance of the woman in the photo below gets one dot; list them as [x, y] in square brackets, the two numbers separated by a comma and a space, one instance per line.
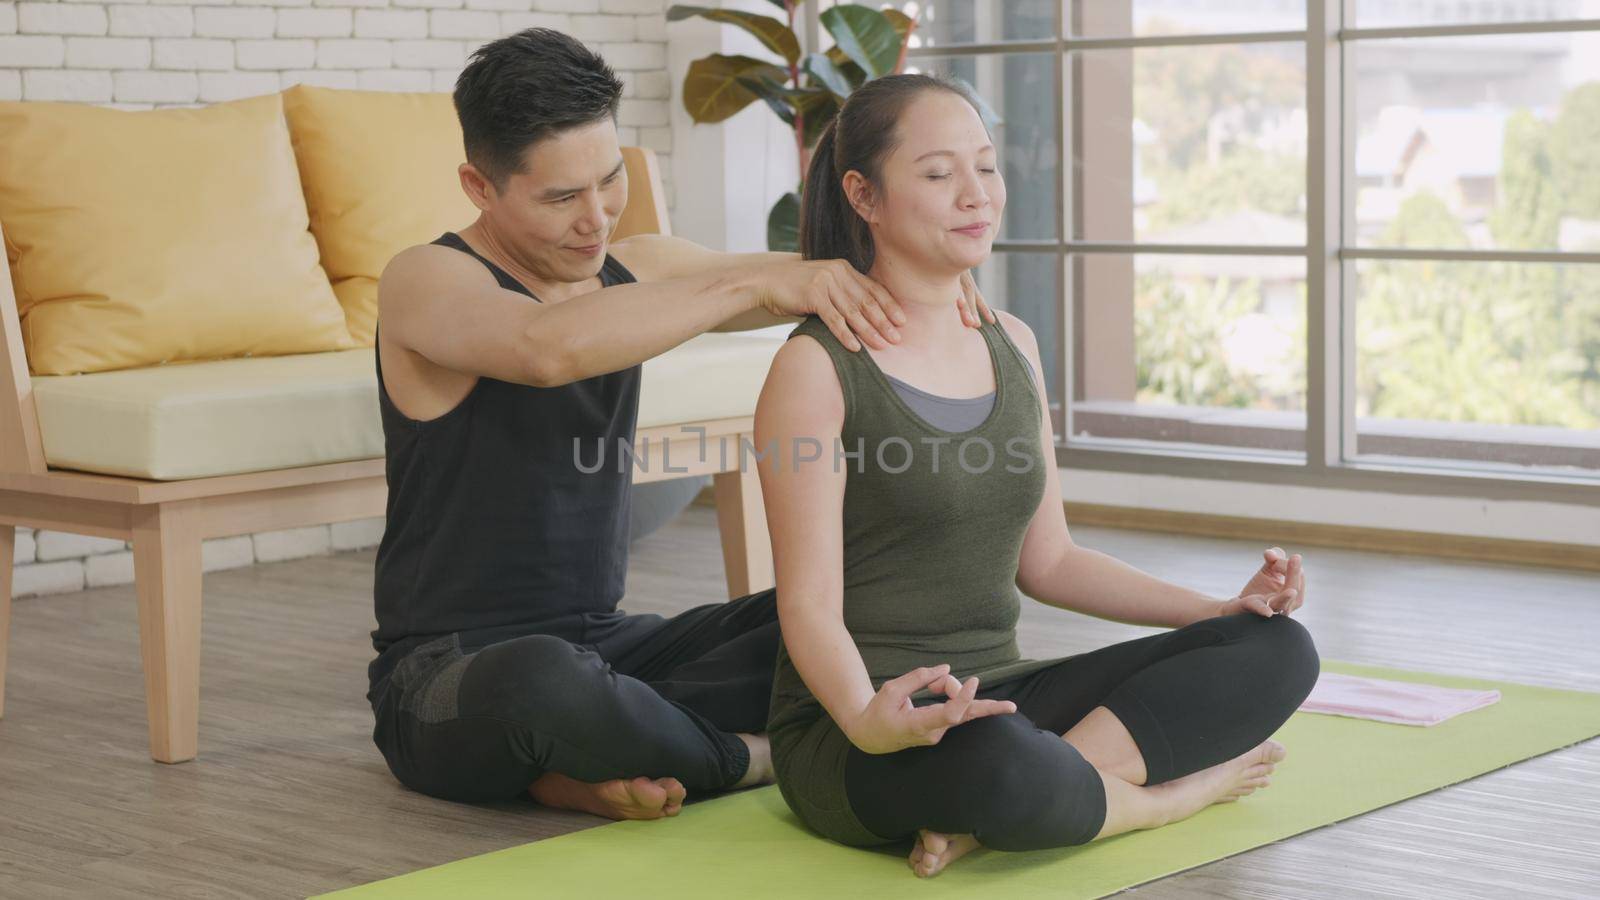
[899, 552]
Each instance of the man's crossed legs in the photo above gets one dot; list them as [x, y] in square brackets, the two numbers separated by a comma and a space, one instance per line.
[622, 725]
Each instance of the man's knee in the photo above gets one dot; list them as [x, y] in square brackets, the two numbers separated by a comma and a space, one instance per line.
[532, 678]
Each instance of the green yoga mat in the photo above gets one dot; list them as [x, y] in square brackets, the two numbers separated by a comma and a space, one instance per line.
[749, 844]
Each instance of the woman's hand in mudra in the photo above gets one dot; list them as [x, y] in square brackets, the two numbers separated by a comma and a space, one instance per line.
[1277, 588]
[890, 722]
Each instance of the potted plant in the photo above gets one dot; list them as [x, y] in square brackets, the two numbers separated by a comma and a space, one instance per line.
[804, 90]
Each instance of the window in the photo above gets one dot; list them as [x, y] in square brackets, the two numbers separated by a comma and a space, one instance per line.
[1332, 242]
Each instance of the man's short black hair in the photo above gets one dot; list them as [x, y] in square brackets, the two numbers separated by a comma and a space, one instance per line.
[523, 88]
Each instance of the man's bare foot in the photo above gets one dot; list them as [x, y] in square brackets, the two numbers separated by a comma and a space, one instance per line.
[1224, 782]
[760, 771]
[622, 798]
[933, 851]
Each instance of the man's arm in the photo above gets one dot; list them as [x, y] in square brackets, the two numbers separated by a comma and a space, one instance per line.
[659, 257]
[445, 306]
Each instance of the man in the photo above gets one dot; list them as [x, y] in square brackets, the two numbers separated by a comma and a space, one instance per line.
[504, 664]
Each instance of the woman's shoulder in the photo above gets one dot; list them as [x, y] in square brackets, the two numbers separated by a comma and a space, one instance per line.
[805, 389]
[1014, 329]
[813, 326]
[804, 360]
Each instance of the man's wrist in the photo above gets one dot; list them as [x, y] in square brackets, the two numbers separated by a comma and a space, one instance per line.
[743, 286]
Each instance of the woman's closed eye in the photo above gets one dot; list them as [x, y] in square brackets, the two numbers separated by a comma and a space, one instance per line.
[942, 175]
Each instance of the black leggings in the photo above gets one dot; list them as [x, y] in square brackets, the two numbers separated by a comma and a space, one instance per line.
[645, 696]
[1191, 698]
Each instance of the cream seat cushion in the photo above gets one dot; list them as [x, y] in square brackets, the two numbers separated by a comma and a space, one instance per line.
[224, 417]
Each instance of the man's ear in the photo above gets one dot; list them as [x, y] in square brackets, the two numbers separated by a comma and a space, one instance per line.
[860, 195]
[476, 185]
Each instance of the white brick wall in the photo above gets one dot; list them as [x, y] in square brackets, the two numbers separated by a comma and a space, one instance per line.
[140, 55]
[53, 562]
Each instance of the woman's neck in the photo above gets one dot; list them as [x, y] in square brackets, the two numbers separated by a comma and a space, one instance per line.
[933, 320]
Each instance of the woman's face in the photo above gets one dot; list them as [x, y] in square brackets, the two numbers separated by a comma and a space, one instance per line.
[942, 195]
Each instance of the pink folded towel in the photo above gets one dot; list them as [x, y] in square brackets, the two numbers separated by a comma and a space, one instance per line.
[1400, 702]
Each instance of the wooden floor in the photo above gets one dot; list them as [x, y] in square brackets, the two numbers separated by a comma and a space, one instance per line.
[290, 798]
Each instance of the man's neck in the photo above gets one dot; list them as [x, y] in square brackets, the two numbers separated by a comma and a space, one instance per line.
[482, 238]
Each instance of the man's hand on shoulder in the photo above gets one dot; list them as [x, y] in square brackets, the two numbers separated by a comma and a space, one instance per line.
[785, 288]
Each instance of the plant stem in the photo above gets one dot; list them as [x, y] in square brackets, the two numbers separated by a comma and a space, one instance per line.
[799, 116]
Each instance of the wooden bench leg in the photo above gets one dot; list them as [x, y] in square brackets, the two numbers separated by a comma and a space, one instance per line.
[166, 572]
[8, 558]
[742, 519]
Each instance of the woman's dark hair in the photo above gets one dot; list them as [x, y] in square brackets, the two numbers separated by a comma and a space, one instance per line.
[523, 88]
[860, 137]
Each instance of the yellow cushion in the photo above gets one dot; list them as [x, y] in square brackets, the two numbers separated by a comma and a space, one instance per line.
[247, 415]
[379, 169]
[136, 238]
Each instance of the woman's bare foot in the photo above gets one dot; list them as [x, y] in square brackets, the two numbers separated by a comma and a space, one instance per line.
[760, 771]
[1224, 782]
[622, 798]
[933, 851]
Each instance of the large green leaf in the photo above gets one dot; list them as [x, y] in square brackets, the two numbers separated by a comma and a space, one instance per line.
[852, 72]
[712, 90]
[776, 96]
[773, 34]
[819, 110]
[903, 26]
[866, 36]
[827, 74]
[783, 224]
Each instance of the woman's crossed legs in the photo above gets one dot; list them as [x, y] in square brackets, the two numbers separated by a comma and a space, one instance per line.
[1130, 736]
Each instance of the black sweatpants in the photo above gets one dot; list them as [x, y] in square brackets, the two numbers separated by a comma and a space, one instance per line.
[650, 696]
[1191, 698]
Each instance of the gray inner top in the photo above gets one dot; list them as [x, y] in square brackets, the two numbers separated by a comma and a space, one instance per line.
[947, 413]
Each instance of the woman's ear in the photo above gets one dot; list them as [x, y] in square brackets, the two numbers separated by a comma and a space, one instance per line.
[858, 191]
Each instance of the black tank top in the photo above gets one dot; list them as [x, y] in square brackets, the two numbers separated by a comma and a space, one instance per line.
[492, 529]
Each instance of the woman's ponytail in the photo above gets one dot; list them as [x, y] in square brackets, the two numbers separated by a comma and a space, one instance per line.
[829, 226]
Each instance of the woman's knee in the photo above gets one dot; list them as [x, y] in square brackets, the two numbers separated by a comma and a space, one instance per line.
[1281, 646]
[1034, 790]
[1294, 654]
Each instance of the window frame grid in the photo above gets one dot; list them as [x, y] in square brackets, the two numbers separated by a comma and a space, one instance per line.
[1330, 253]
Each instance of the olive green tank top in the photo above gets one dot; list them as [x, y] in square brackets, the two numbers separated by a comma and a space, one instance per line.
[933, 523]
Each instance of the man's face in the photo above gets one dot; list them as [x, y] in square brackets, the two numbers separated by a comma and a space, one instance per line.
[559, 211]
